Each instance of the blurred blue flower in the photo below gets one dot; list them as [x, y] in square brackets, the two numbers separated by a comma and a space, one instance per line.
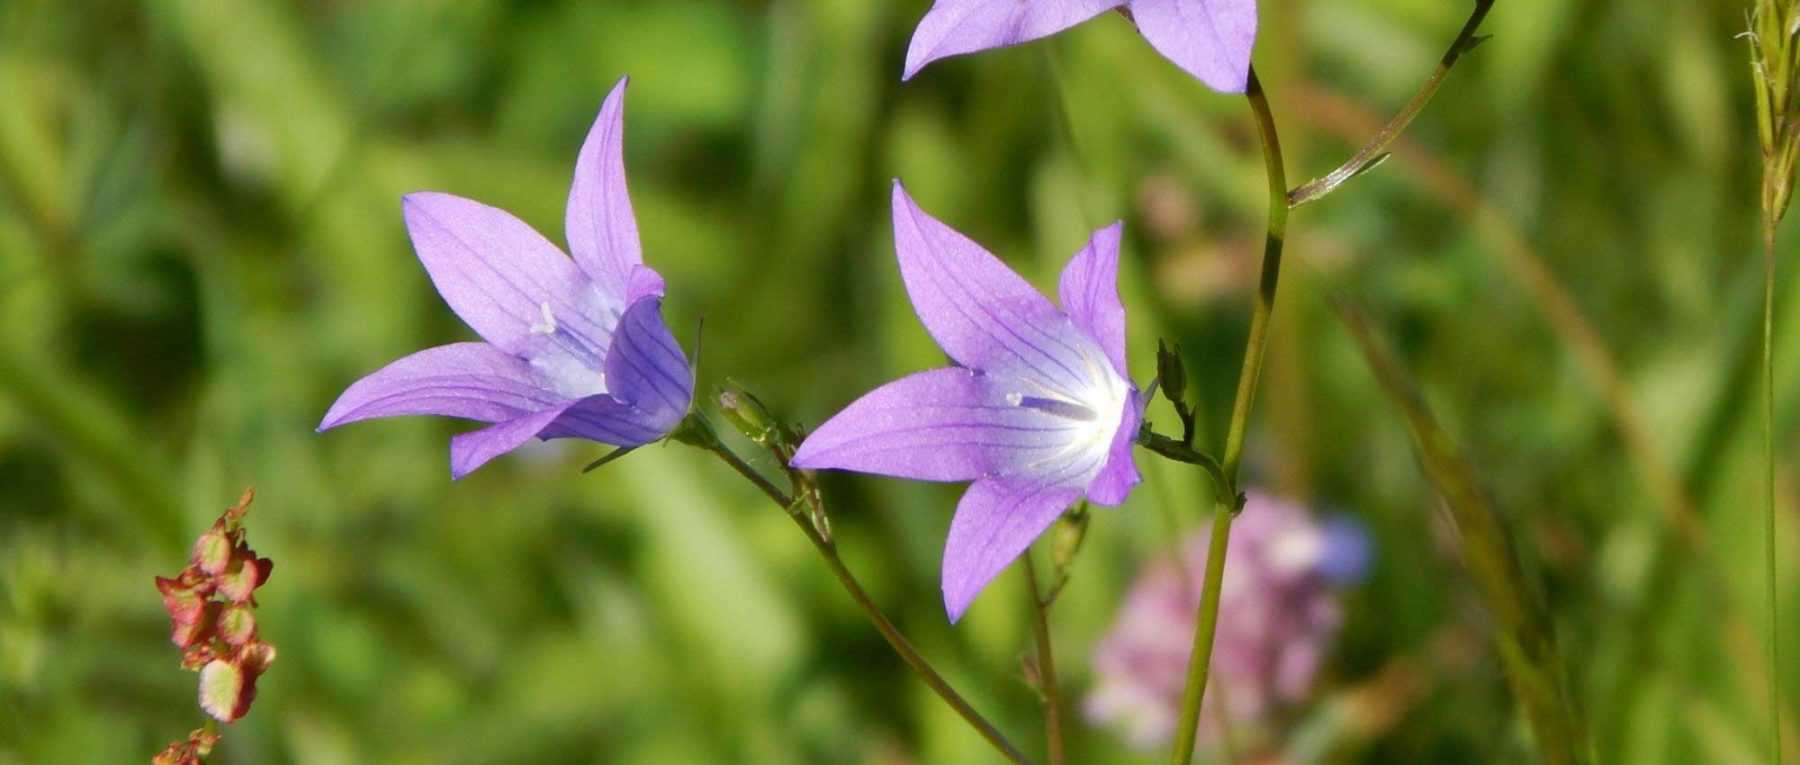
[1040, 411]
[574, 349]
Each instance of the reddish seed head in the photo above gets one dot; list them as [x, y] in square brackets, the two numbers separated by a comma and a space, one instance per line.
[211, 614]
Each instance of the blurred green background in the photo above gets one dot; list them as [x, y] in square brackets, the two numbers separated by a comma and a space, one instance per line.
[200, 246]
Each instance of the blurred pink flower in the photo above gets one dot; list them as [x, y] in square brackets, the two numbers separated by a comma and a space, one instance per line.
[1278, 615]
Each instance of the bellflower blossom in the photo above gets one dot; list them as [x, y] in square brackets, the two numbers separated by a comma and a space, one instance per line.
[1278, 614]
[1210, 39]
[574, 349]
[1039, 411]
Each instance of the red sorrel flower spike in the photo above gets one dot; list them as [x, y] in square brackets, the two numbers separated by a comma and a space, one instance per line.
[199, 743]
[211, 606]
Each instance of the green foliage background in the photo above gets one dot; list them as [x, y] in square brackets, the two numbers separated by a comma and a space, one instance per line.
[200, 246]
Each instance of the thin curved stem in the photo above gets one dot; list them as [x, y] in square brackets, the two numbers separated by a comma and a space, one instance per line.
[1271, 275]
[1373, 152]
[1181, 452]
[1206, 622]
[828, 550]
[1046, 662]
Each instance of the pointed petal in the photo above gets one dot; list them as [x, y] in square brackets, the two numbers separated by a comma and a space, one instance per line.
[995, 521]
[473, 381]
[643, 282]
[1090, 294]
[645, 366]
[948, 424]
[982, 314]
[469, 451]
[602, 230]
[498, 274]
[965, 26]
[1119, 473]
[1211, 39]
[607, 420]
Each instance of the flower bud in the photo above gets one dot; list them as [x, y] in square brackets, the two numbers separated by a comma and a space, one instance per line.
[199, 744]
[212, 551]
[748, 414]
[184, 597]
[197, 629]
[228, 685]
[1171, 372]
[237, 624]
[1070, 531]
[248, 572]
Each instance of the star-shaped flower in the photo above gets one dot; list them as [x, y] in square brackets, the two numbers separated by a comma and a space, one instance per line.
[574, 349]
[1039, 411]
[1210, 39]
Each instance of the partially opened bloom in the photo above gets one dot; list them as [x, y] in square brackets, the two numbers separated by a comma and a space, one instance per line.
[1210, 39]
[1039, 411]
[1278, 615]
[574, 349]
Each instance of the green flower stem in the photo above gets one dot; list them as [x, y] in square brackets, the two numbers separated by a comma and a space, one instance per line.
[1046, 662]
[1180, 452]
[1375, 150]
[828, 550]
[1205, 627]
[1206, 622]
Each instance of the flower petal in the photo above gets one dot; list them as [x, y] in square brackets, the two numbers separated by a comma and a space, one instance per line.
[1211, 39]
[948, 424]
[474, 381]
[499, 275]
[607, 420]
[965, 26]
[996, 520]
[469, 451]
[602, 230]
[1090, 294]
[645, 366]
[643, 282]
[1119, 474]
[984, 315]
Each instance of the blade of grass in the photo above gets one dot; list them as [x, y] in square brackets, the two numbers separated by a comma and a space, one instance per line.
[1525, 638]
[1688, 536]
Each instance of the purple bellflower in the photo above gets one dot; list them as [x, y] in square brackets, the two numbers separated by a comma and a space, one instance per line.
[574, 349]
[1039, 411]
[1210, 39]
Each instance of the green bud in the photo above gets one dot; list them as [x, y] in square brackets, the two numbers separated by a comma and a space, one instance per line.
[748, 414]
[1070, 532]
[1171, 372]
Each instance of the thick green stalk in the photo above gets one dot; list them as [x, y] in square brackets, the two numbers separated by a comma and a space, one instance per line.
[1206, 621]
[828, 551]
[1187, 728]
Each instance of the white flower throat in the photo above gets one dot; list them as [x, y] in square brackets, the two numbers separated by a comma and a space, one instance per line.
[1092, 414]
